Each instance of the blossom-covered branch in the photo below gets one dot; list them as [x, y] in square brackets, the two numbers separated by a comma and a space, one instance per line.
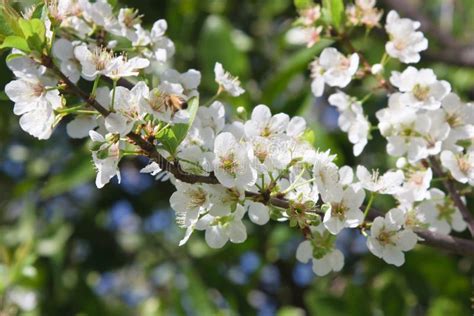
[69, 59]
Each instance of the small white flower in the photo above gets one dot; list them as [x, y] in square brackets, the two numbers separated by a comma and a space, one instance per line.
[351, 120]
[388, 183]
[406, 42]
[219, 230]
[296, 127]
[227, 82]
[93, 63]
[345, 212]
[106, 158]
[388, 240]
[416, 186]
[461, 166]
[212, 117]
[404, 129]
[258, 212]
[441, 213]
[127, 109]
[122, 67]
[263, 124]
[35, 96]
[339, 69]
[163, 48]
[99, 61]
[233, 162]
[320, 250]
[188, 80]
[101, 13]
[420, 88]
[64, 51]
[460, 118]
[189, 201]
[326, 175]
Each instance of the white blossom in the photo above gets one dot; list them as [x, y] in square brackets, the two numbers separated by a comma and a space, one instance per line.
[441, 213]
[106, 159]
[233, 162]
[388, 240]
[263, 124]
[219, 230]
[461, 166]
[388, 183]
[324, 257]
[35, 96]
[333, 69]
[227, 82]
[420, 88]
[351, 120]
[406, 42]
[345, 211]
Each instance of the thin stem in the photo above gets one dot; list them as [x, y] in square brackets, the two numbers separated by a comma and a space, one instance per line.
[369, 204]
[214, 98]
[96, 85]
[113, 94]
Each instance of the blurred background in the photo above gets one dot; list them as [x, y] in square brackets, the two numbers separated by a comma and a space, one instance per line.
[67, 248]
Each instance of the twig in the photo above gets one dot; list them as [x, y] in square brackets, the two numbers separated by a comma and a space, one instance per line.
[460, 246]
[449, 185]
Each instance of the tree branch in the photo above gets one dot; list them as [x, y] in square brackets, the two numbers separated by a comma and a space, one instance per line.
[457, 245]
[449, 185]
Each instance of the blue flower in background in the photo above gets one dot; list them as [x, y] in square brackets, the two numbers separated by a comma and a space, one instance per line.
[249, 262]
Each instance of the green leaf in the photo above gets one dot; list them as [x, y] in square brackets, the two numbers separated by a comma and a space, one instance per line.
[8, 21]
[39, 11]
[172, 137]
[17, 42]
[34, 32]
[303, 4]
[168, 140]
[181, 130]
[334, 10]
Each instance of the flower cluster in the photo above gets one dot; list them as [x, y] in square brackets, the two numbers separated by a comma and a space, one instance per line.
[262, 167]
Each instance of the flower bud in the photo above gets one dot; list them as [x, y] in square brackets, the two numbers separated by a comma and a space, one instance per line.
[376, 69]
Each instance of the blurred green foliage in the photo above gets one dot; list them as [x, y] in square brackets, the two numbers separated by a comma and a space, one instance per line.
[114, 252]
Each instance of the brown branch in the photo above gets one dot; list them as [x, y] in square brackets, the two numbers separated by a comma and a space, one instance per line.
[457, 245]
[454, 194]
[452, 244]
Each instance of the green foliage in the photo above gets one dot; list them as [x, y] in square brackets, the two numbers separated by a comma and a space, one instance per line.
[303, 4]
[171, 137]
[30, 37]
[57, 233]
[333, 12]
[17, 42]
